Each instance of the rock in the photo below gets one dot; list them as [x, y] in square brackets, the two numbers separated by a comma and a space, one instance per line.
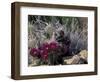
[82, 61]
[80, 58]
[74, 60]
[83, 54]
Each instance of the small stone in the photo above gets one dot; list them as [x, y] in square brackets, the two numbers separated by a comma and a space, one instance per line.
[74, 60]
[83, 54]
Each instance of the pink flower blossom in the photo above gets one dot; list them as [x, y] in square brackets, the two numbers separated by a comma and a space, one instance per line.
[34, 52]
[44, 54]
[46, 46]
[53, 45]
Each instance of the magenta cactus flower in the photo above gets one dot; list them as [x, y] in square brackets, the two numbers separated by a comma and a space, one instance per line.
[44, 54]
[34, 52]
[46, 46]
[53, 45]
[44, 50]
